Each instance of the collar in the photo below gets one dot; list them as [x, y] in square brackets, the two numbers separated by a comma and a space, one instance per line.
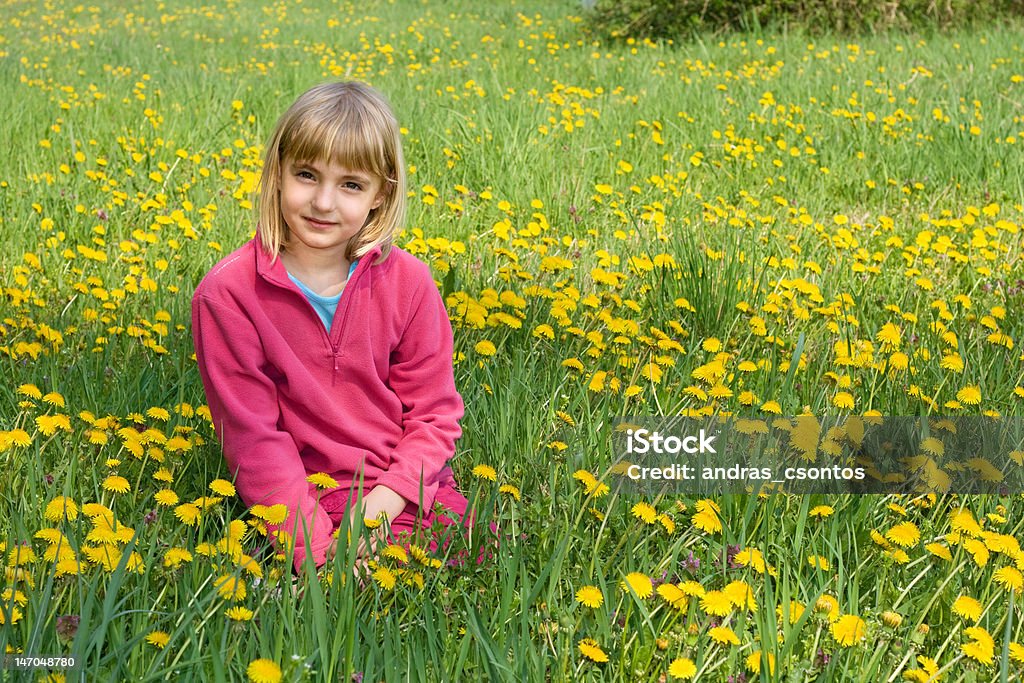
[277, 274]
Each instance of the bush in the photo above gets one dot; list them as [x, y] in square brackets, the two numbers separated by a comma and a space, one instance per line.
[668, 19]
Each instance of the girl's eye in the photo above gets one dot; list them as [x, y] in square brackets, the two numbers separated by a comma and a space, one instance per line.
[304, 174]
[353, 186]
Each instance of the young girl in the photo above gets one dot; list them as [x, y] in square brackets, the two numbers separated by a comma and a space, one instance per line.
[322, 347]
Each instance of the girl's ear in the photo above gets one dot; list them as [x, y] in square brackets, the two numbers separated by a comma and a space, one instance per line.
[385, 190]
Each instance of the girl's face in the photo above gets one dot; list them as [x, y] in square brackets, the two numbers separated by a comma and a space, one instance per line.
[324, 205]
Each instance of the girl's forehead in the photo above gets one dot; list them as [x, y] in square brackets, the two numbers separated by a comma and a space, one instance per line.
[327, 165]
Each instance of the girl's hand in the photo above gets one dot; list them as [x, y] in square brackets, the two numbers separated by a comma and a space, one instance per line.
[379, 501]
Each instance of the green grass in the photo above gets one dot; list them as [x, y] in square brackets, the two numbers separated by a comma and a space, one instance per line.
[640, 201]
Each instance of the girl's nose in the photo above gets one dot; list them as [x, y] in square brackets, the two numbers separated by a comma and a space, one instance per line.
[323, 199]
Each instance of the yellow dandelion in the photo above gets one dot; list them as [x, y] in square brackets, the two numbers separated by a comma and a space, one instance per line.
[222, 487]
[230, 587]
[263, 671]
[645, 513]
[385, 578]
[1010, 579]
[510, 490]
[322, 480]
[30, 390]
[981, 648]
[682, 668]
[905, 534]
[674, 595]
[397, 553]
[590, 596]
[707, 520]
[822, 511]
[967, 608]
[485, 472]
[116, 484]
[159, 414]
[969, 395]
[639, 584]
[187, 513]
[239, 613]
[724, 635]
[843, 400]
[273, 514]
[61, 508]
[166, 497]
[716, 603]
[174, 557]
[753, 662]
[818, 562]
[849, 630]
[485, 348]
[158, 639]
[591, 650]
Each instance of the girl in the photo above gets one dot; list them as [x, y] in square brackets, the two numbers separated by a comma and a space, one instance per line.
[322, 347]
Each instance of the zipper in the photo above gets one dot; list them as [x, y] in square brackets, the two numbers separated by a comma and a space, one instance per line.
[340, 314]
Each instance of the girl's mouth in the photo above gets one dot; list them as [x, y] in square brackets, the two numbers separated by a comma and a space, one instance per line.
[317, 223]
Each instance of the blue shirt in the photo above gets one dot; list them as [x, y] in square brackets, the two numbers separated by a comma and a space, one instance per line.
[325, 306]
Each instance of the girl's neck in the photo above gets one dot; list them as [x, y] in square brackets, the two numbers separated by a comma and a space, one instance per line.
[324, 274]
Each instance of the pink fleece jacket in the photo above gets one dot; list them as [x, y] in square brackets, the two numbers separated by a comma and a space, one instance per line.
[375, 396]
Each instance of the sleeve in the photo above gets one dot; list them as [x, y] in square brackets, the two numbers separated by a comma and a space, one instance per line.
[263, 460]
[422, 377]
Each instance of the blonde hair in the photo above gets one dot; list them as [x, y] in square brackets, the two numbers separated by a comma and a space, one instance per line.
[347, 123]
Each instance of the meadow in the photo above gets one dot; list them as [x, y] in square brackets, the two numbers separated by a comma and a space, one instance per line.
[762, 225]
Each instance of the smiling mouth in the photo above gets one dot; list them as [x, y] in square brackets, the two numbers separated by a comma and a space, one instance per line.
[318, 223]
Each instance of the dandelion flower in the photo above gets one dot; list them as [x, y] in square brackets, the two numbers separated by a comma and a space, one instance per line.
[485, 348]
[905, 534]
[174, 557]
[116, 484]
[592, 651]
[239, 613]
[969, 395]
[967, 608]
[822, 511]
[384, 578]
[590, 596]
[510, 490]
[981, 648]
[230, 587]
[485, 472]
[397, 553]
[682, 668]
[166, 497]
[222, 487]
[724, 635]
[273, 514]
[645, 513]
[818, 562]
[61, 508]
[753, 663]
[674, 595]
[322, 481]
[639, 584]
[707, 520]
[263, 671]
[716, 603]
[1010, 579]
[848, 630]
[187, 513]
[843, 400]
[158, 639]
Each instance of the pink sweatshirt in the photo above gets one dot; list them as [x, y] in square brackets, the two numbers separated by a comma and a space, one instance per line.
[288, 399]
